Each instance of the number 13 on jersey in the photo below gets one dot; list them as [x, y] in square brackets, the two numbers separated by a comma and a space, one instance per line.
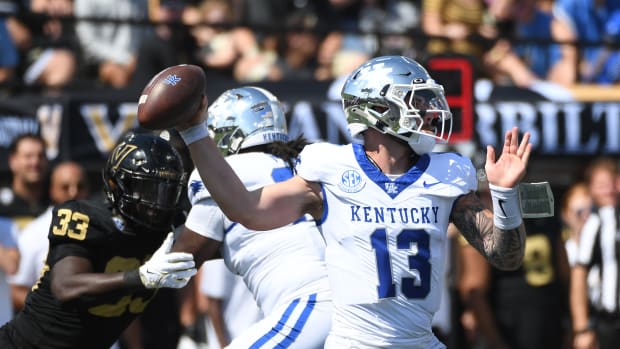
[415, 244]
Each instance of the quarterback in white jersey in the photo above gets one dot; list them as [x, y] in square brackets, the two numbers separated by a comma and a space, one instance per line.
[283, 268]
[384, 204]
[397, 227]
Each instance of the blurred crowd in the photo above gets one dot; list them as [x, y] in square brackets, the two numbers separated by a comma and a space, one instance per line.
[54, 44]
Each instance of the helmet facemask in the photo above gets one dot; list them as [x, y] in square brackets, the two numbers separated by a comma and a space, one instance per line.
[144, 179]
[424, 118]
[396, 96]
[148, 201]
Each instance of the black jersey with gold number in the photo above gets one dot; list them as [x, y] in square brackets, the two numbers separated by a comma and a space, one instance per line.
[83, 229]
[530, 304]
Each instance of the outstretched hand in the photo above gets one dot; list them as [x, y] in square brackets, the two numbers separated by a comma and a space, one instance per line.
[509, 169]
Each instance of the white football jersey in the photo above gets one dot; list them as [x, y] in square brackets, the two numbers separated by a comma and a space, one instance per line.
[279, 265]
[386, 240]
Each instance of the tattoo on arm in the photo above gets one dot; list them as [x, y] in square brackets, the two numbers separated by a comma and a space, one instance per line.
[504, 249]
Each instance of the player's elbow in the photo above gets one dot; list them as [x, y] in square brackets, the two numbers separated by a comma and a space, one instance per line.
[65, 289]
[248, 216]
[63, 292]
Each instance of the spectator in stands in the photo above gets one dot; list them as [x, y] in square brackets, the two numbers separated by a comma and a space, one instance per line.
[585, 25]
[400, 17]
[9, 57]
[68, 181]
[460, 27]
[598, 322]
[231, 308]
[171, 44]
[13, 36]
[9, 260]
[577, 204]
[265, 13]
[528, 22]
[296, 52]
[351, 39]
[18, 31]
[452, 23]
[27, 196]
[519, 309]
[110, 48]
[229, 52]
[575, 209]
[50, 60]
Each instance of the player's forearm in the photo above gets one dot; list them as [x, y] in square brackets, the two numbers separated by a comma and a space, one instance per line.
[71, 279]
[506, 247]
[94, 284]
[235, 201]
[225, 187]
[503, 248]
[503, 229]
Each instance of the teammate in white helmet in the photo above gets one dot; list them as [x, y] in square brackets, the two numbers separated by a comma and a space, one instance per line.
[283, 268]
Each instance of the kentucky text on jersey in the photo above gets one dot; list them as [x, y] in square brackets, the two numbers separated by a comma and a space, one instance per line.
[368, 214]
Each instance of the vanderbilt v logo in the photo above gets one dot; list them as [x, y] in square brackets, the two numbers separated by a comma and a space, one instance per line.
[105, 133]
[121, 153]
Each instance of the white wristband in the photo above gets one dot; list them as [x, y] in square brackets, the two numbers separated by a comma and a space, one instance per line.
[506, 207]
[194, 133]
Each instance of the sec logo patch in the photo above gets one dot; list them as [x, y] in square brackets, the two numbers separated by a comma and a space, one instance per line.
[351, 182]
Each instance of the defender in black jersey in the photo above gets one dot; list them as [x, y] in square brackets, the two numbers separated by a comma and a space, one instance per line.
[104, 265]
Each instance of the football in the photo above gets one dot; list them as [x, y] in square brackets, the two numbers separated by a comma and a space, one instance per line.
[172, 96]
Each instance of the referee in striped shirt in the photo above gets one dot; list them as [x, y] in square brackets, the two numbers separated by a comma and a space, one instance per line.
[598, 319]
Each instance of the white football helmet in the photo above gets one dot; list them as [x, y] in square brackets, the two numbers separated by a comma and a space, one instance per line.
[245, 117]
[396, 95]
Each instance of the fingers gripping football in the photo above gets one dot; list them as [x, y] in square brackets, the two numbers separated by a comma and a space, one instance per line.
[172, 97]
[165, 269]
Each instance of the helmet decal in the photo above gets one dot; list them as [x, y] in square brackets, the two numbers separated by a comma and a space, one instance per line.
[120, 153]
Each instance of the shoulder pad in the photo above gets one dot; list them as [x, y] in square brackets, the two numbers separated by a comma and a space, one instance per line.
[455, 169]
[196, 189]
[317, 158]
